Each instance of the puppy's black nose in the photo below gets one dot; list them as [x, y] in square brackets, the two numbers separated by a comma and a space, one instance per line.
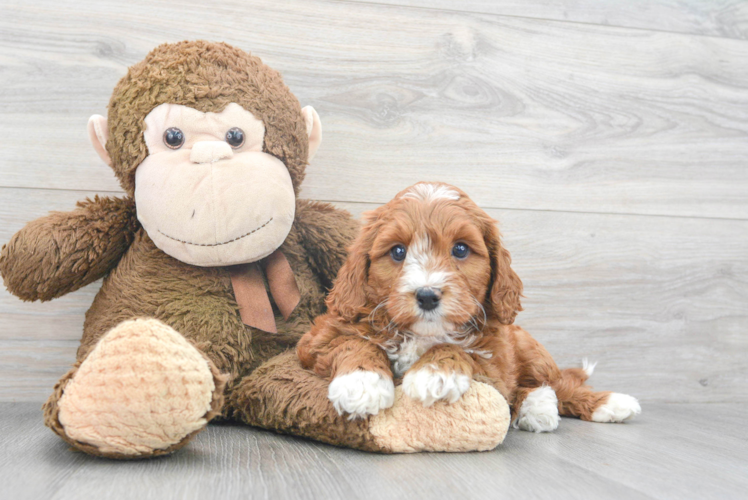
[428, 298]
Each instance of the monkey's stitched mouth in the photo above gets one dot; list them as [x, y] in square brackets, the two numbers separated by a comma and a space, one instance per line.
[217, 244]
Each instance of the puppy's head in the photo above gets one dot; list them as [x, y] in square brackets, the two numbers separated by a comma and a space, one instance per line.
[430, 262]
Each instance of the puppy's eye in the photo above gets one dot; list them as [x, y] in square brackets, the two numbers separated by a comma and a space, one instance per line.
[173, 138]
[460, 250]
[398, 253]
[235, 137]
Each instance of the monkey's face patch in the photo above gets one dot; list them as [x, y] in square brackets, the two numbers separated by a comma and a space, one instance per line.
[207, 194]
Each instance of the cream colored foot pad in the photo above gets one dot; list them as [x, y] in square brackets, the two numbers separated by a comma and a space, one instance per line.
[142, 388]
[479, 420]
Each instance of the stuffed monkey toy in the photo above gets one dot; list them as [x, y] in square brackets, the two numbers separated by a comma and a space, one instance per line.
[213, 269]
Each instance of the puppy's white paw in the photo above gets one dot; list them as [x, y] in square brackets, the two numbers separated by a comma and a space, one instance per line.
[361, 393]
[428, 385]
[618, 408]
[539, 411]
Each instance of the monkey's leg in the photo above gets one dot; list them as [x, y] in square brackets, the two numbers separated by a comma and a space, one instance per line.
[142, 391]
[282, 396]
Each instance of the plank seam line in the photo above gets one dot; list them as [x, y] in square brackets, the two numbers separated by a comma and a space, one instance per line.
[485, 207]
[35, 188]
[625, 214]
[482, 13]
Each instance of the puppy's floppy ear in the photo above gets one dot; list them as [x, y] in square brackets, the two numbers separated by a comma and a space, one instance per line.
[348, 295]
[506, 287]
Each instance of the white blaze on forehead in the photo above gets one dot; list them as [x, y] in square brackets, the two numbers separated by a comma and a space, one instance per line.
[418, 268]
[430, 192]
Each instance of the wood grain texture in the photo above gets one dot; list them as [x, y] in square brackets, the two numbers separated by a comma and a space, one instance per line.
[559, 128]
[31, 368]
[523, 113]
[672, 451]
[721, 18]
[659, 302]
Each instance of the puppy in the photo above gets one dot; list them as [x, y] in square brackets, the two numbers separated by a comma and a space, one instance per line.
[427, 294]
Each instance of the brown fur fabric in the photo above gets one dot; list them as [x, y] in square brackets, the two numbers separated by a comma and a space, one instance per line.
[205, 76]
[260, 400]
[62, 252]
[65, 251]
[199, 302]
[254, 381]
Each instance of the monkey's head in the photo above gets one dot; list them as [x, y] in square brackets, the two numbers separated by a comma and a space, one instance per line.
[213, 147]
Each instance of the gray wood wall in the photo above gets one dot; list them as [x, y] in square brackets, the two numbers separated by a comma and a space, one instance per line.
[610, 139]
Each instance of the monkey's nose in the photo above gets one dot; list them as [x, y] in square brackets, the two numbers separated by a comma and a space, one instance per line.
[428, 298]
[210, 151]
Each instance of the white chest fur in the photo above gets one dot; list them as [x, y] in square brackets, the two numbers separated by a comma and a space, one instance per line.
[413, 347]
[409, 351]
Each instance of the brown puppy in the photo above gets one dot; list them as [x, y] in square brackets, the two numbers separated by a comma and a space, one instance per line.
[428, 294]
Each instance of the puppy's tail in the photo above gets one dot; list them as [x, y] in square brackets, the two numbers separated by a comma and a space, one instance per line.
[576, 377]
[575, 398]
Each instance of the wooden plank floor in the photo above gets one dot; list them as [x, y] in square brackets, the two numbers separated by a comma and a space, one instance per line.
[614, 157]
[609, 138]
[521, 113]
[722, 18]
[672, 453]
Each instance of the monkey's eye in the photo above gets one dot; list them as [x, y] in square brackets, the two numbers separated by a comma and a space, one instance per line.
[173, 138]
[398, 253]
[460, 250]
[235, 137]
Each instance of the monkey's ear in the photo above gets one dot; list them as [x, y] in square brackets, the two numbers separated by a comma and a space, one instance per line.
[98, 133]
[313, 129]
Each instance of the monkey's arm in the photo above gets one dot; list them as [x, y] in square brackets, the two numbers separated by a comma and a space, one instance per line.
[64, 251]
[326, 233]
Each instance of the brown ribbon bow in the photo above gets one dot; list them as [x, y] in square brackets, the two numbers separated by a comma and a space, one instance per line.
[249, 290]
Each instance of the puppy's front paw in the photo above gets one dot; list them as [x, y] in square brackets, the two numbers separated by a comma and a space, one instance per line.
[539, 411]
[618, 408]
[428, 385]
[361, 393]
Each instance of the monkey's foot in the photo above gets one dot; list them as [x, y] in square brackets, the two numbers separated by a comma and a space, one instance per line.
[478, 421]
[143, 391]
